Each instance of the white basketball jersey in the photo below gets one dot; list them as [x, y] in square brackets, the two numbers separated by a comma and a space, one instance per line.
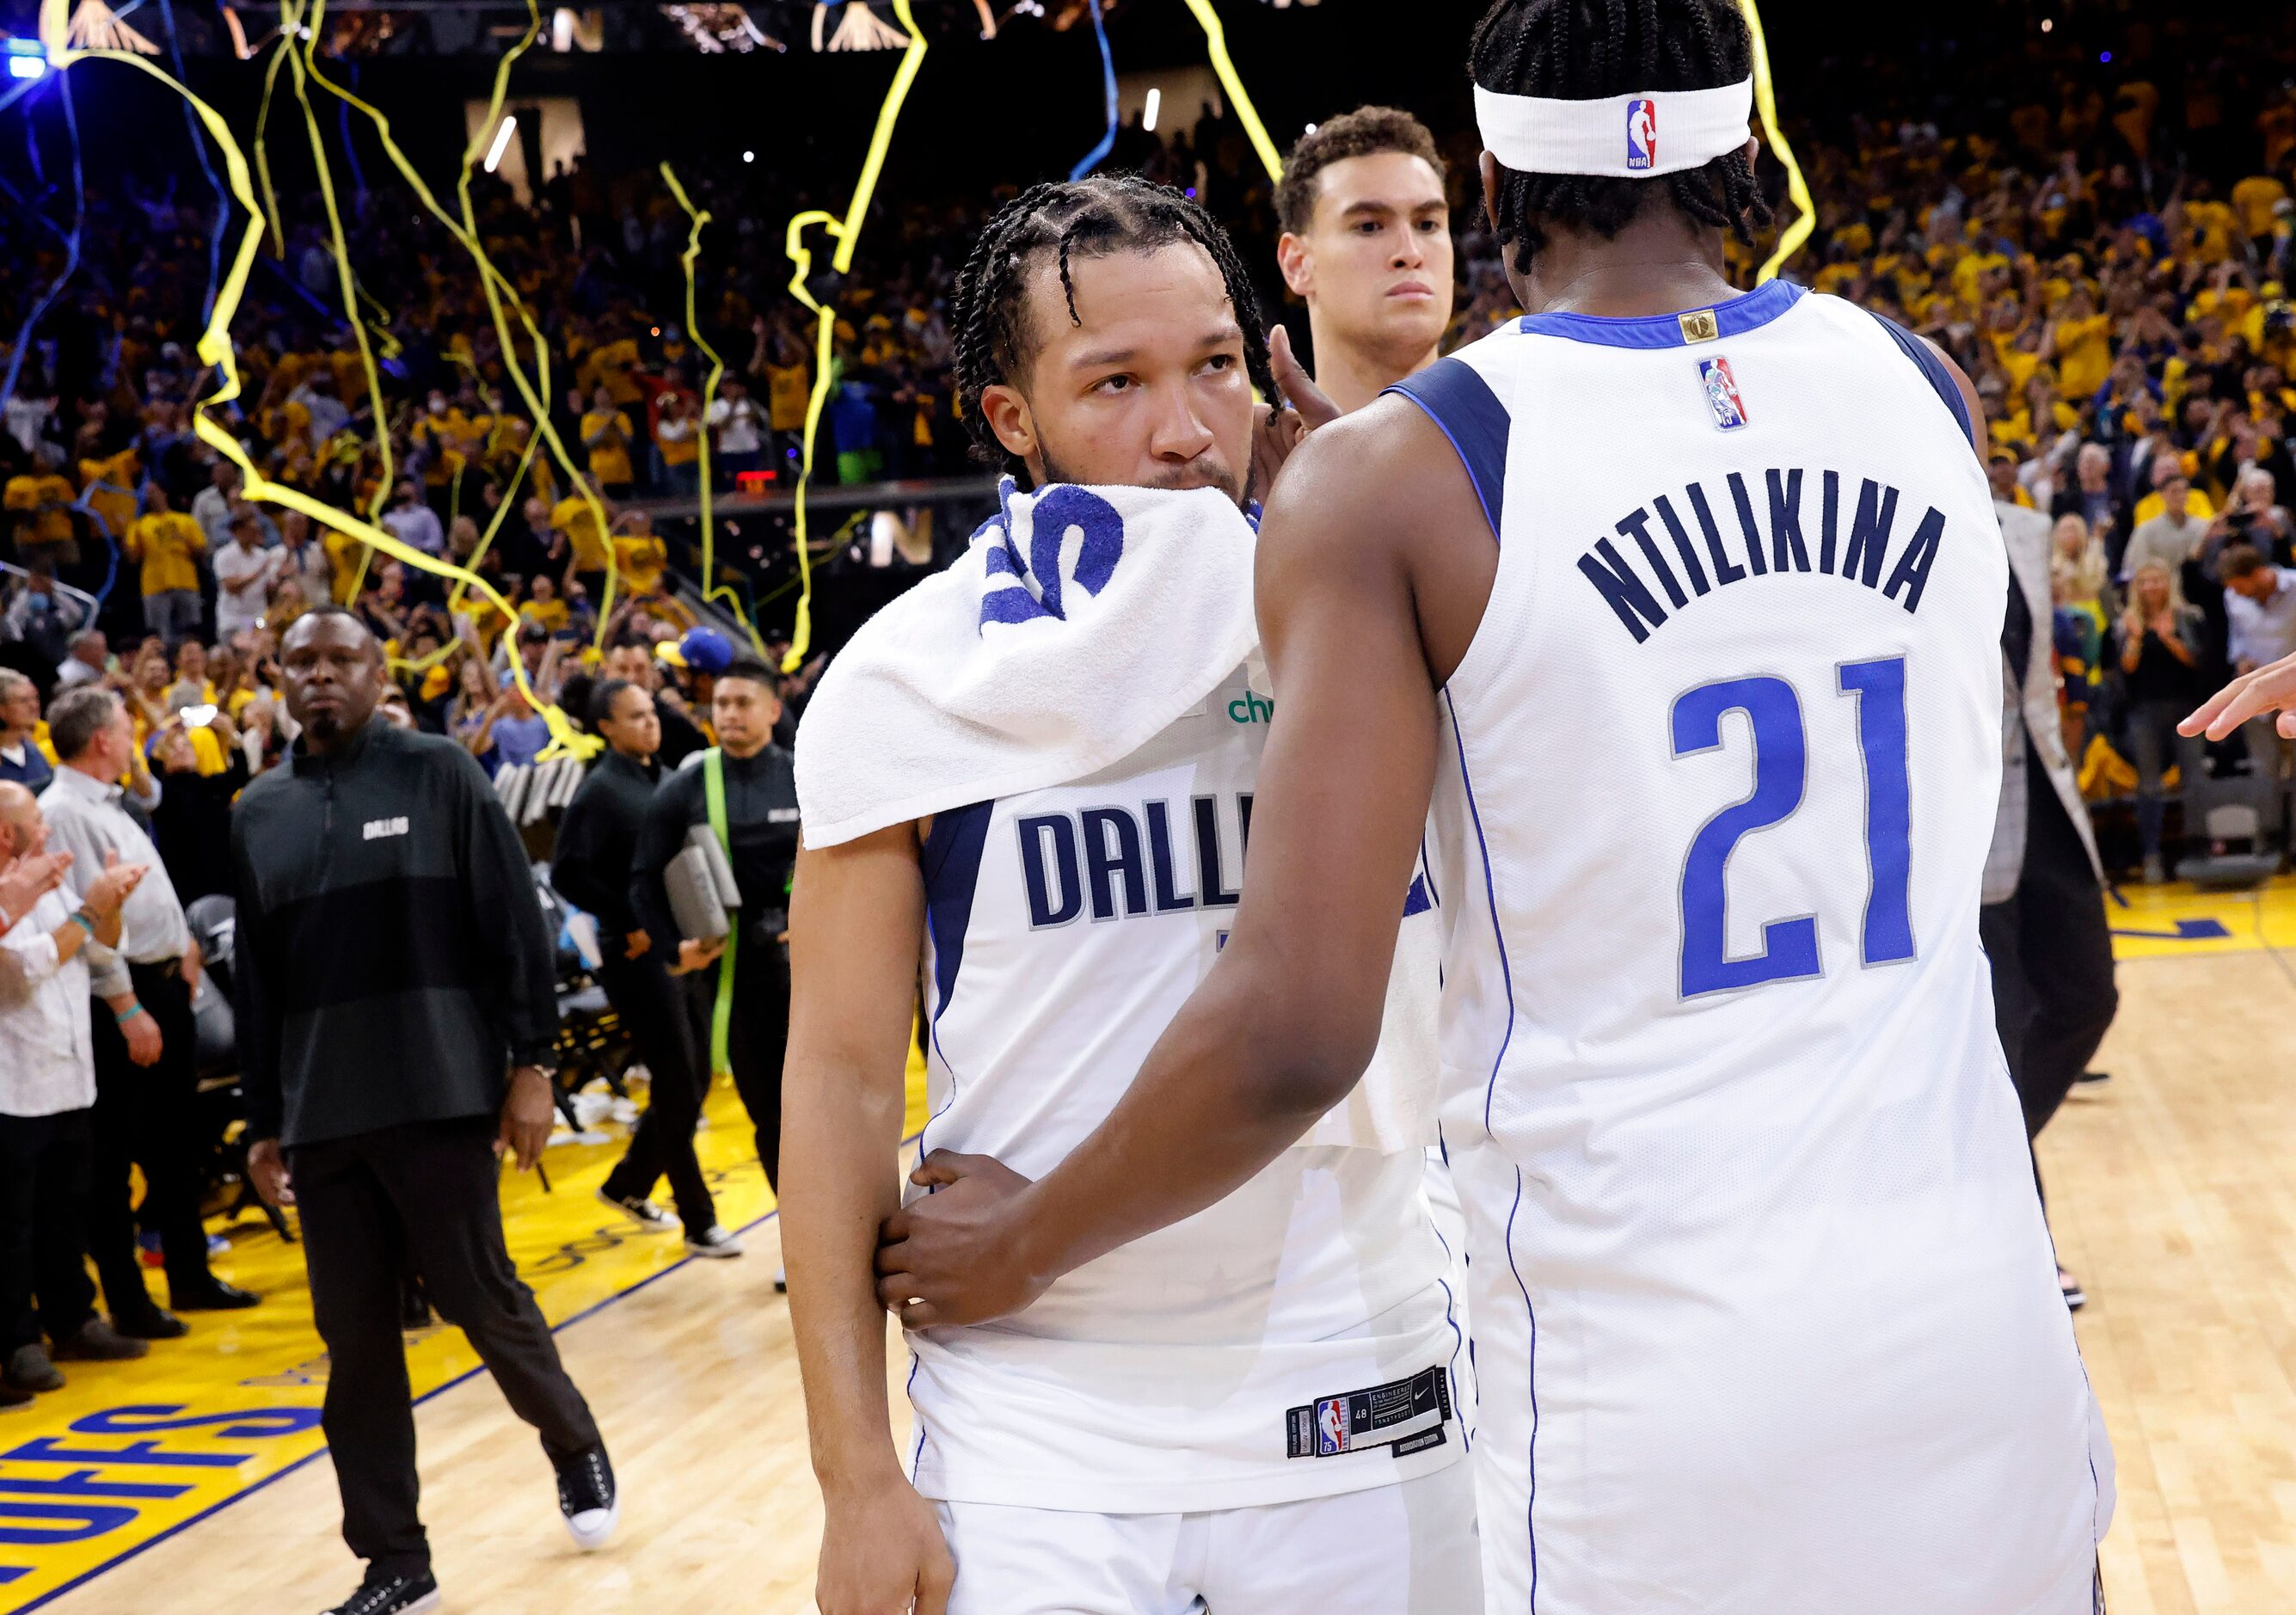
[1295, 1339]
[1766, 1318]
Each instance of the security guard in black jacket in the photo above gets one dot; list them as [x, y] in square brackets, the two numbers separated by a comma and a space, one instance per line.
[761, 824]
[391, 965]
[597, 840]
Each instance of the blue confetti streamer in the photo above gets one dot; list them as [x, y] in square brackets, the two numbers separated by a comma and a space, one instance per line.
[1093, 158]
[71, 242]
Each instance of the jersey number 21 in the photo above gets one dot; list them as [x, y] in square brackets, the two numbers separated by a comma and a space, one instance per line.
[1773, 711]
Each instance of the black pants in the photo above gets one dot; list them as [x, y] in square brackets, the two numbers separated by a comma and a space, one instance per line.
[146, 1114]
[2052, 956]
[646, 996]
[43, 1211]
[428, 1192]
[756, 1039]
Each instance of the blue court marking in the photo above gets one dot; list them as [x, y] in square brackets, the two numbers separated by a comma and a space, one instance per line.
[181, 1526]
[2187, 930]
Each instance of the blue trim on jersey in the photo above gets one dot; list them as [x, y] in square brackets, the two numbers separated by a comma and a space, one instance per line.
[1465, 410]
[1459, 1340]
[951, 863]
[1506, 975]
[1736, 317]
[1933, 372]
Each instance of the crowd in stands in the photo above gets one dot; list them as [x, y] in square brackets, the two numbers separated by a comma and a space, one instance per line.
[2108, 255]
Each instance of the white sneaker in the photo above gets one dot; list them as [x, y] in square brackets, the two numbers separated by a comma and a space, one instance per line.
[716, 1240]
[649, 1217]
[781, 1281]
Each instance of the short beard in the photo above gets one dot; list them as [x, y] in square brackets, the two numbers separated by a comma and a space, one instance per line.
[1054, 473]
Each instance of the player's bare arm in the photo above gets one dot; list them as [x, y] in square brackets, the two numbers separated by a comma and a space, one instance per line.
[1373, 510]
[856, 922]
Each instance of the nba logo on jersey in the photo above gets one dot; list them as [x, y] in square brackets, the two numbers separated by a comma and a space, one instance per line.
[1331, 1425]
[1722, 393]
[1642, 134]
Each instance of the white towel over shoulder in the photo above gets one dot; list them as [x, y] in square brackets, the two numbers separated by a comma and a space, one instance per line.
[1080, 623]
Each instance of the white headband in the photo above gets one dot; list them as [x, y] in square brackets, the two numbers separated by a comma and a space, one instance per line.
[1638, 136]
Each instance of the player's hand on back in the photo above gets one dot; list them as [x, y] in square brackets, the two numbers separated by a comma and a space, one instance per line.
[1277, 432]
[957, 1256]
[881, 1552]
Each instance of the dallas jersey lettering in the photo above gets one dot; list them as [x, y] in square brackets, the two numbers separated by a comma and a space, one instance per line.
[1293, 1341]
[1766, 1317]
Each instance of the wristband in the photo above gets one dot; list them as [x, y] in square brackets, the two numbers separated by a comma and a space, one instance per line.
[124, 1016]
[78, 916]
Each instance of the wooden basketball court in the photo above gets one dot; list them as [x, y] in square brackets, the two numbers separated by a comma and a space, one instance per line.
[197, 1480]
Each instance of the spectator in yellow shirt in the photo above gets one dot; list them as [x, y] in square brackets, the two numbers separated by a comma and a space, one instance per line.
[640, 554]
[543, 606]
[573, 517]
[39, 502]
[113, 504]
[2082, 343]
[677, 437]
[2254, 198]
[168, 543]
[606, 434]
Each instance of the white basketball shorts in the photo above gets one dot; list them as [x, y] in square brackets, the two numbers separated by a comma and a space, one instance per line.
[1405, 1549]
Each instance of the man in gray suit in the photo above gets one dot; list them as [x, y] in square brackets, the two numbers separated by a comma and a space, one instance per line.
[2042, 920]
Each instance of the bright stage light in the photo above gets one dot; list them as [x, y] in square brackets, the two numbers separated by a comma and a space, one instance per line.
[748, 157]
[27, 59]
[1148, 114]
[503, 132]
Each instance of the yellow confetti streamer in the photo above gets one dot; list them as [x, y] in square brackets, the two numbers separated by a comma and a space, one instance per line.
[214, 348]
[711, 589]
[1222, 65]
[533, 391]
[1797, 188]
[846, 232]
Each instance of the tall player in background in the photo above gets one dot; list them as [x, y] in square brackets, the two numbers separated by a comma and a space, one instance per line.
[1032, 776]
[1367, 245]
[1711, 591]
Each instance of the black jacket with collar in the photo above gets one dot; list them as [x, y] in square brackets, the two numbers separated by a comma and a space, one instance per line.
[391, 960]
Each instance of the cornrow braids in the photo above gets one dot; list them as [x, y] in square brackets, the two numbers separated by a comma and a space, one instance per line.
[1089, 217]
[1585, 50]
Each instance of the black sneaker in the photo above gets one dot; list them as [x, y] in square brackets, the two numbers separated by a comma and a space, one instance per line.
[2076, 1298]
[588, 1498]
[97, 1342]
[2088, 1082]
[716, 1240]
[29, 1370]
[150, 1322]
[387, 1593]
[649, 1217]
[9, 1397]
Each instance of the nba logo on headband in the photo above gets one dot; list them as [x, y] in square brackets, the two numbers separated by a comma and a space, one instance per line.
[1642, 134]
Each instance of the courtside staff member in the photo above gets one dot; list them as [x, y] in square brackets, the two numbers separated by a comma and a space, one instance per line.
[596, 841]
[392, 967]
[761, 824]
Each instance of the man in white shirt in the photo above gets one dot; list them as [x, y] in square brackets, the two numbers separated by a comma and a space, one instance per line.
[84, 665]
[2168, 539]
[47, 1089]
[144, 1081]
[243, 571]
[2260, 614]
[412, 522]
[211, 506]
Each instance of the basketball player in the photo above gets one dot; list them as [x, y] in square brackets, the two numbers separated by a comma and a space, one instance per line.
[1250, 1411]
[1707, 592]
[1367, 245]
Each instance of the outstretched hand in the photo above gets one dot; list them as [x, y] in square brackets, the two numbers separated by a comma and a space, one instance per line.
[2267, 689]
[955, 1256]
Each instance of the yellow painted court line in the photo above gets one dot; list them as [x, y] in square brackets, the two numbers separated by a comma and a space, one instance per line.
[130, 1454]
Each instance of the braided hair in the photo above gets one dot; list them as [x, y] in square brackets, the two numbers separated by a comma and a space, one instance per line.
[1087, 218]
[1584, 50]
